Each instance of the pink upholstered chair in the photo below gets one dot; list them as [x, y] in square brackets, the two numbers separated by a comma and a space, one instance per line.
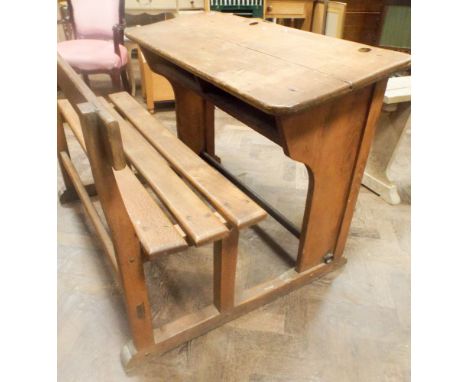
[98, 27]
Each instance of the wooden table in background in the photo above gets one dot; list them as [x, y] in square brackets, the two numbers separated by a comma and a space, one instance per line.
[315, 96]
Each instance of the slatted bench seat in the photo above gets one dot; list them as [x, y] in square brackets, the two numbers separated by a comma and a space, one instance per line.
[189, 204]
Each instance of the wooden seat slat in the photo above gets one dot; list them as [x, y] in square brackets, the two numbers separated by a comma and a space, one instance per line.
[192, 214]
[154, 229]
[236, 207]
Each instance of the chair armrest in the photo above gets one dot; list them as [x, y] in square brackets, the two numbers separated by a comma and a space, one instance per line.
[118, 30]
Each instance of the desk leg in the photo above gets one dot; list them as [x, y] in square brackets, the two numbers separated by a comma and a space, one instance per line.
[333, 141]
[195, 120]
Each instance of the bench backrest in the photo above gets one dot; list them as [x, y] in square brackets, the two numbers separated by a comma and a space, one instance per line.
[103, 144]
[92, 112]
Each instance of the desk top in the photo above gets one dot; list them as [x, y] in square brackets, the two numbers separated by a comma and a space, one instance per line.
[274, 68]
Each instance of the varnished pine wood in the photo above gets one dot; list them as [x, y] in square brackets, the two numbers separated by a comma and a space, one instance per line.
[73, 121]
[274, 68]
[62, 146]
[154, 87]
[363, 306]
[375, 107]
[197, 220]
[90, 210]
[77, 91]
[224, 265]
[69, 194]
[255, 118]
[193, 112]
[126, 244]
[155, 231]
[330, 121]
[234, 205]
[196, 324]
[327, 140]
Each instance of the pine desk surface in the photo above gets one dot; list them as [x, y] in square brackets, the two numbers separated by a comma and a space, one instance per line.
[276, 69]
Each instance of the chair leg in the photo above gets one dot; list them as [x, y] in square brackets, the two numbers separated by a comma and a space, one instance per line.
[125, 82]
[225, 263]
[86, 78]
[130, 74]
[115, 77]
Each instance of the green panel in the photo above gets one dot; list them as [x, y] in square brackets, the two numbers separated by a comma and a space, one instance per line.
[396, 31]
[248, 8]
[253, 11]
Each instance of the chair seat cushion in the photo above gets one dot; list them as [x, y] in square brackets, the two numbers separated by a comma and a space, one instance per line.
[92, 55]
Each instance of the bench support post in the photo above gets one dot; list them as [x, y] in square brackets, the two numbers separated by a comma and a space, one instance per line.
[188, 327]
[69, 194]
[63, 146]
[224, 270]
[126, 243]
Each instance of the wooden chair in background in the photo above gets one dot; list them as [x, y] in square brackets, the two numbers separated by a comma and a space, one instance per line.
[98, 45]
[154, 87]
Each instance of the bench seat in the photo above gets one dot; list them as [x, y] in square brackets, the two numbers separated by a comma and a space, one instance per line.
[157, 197]
[195, 197]
[236, 207]
[155, 231]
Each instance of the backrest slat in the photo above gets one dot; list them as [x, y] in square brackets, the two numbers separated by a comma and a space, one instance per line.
[76, 91]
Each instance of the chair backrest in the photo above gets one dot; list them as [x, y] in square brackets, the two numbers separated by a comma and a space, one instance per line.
[95, 18]
[105, 132]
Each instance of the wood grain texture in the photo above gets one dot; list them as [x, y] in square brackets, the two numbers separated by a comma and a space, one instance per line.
[101, 231]
[274, 68]
[224, 271]
[126, 244]
[233, 204]
[155, 231]
[375, 108]
[77, 92]
[193, 112]
[363, 307]
[327, 140]
[193, 325]
[62, 146]
[193, 215]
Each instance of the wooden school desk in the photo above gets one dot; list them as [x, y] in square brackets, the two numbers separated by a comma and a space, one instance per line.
[317, 97]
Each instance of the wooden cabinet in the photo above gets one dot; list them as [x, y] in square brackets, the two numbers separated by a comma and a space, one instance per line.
[379, 22]
[363, 20]
[285, 8]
